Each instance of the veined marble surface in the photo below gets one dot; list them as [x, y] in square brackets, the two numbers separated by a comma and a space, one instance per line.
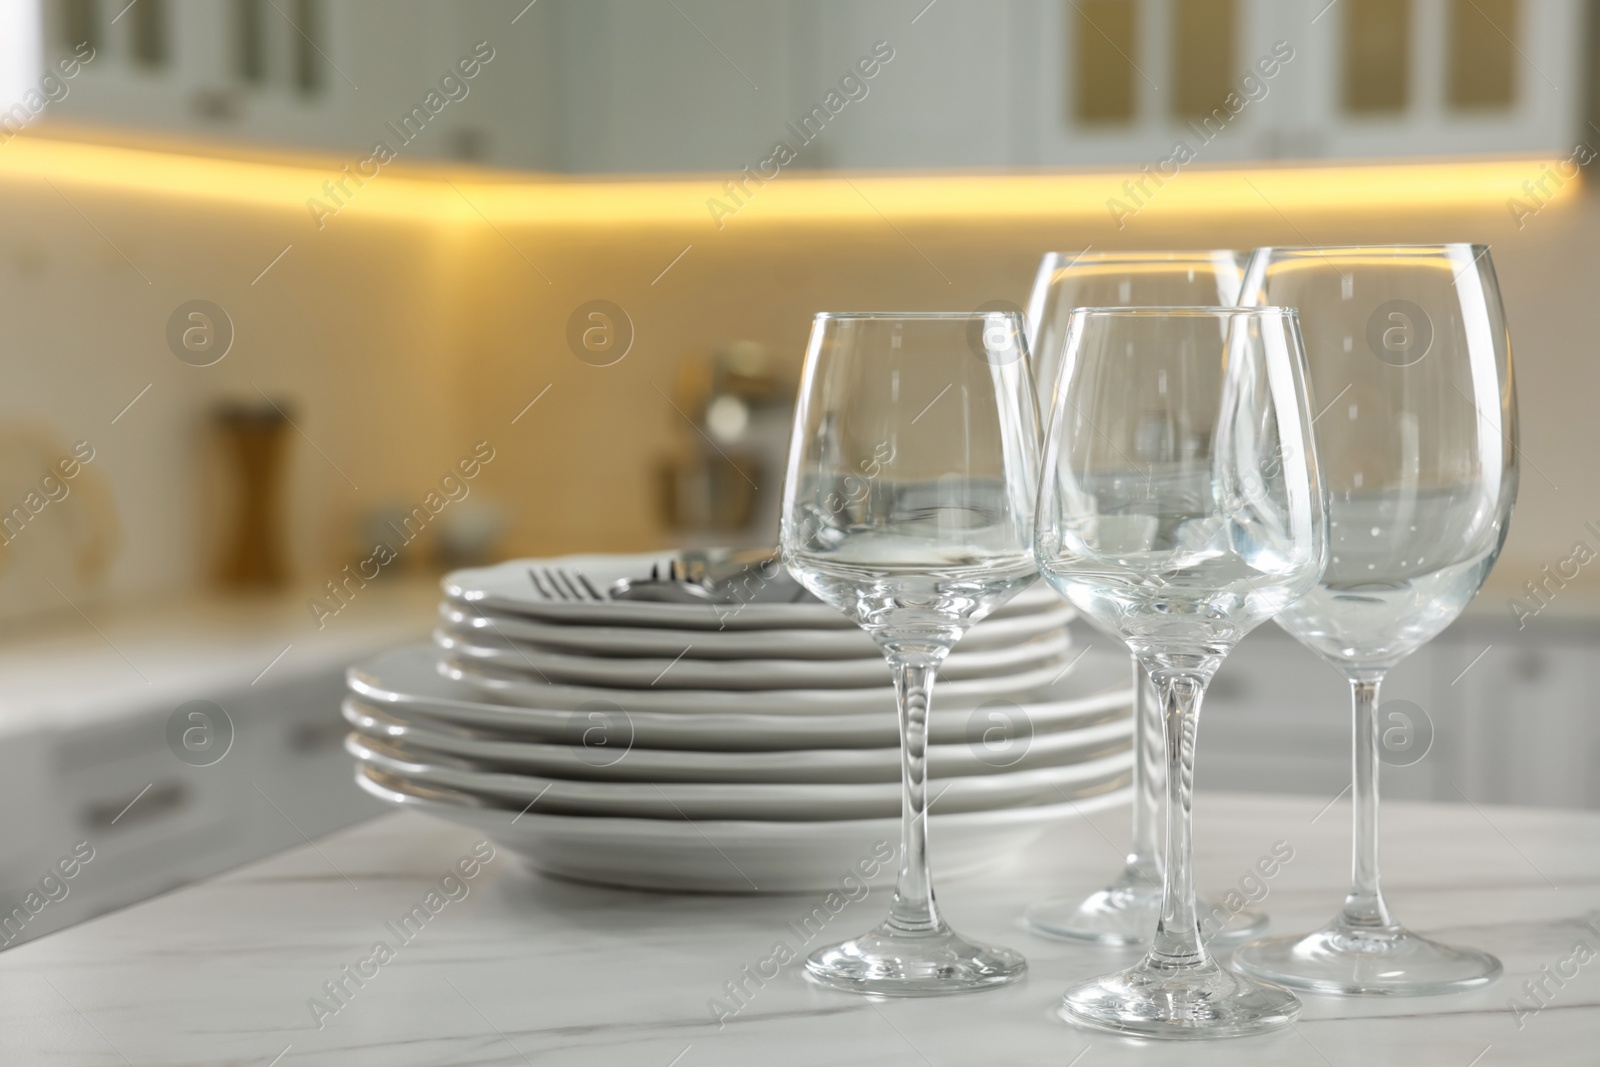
[526, 970]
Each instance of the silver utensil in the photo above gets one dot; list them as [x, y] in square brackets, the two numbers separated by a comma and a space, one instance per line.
[715, 577]
[662, 590]
[556, 583]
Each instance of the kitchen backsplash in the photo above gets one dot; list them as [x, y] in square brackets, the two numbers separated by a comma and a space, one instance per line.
[400, 334]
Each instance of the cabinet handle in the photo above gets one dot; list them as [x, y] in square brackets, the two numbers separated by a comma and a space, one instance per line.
[155, 802]
[1530, 666]
[315, 736]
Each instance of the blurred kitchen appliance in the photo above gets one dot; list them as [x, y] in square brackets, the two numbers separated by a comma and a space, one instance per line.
[253, 555]
[720, 484]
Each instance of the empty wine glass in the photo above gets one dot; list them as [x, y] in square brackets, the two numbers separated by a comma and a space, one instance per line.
[1069, 280]
[1179, 508]
[909, 507]
[1125, 912]
[1408, 353]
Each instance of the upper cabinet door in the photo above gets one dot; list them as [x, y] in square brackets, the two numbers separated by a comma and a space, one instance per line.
[941, 91]
[690, 85]
[1435, 77]
[715, 86]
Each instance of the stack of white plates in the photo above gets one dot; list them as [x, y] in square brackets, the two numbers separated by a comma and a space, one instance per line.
[731, 747]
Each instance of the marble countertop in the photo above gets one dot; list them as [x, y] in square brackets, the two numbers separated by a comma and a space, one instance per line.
[517, 969]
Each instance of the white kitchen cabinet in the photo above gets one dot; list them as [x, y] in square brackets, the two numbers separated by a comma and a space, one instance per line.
[155, 822]
[1529, 709]
[1277, 719]
[1521, 725]
[945, 99]
[710, 85]
[979, 83]
[86, 757]
[701, 86]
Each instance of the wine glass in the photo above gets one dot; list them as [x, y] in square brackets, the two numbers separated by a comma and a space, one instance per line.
[1180, 506]
[909, 507]
[1068, 280]
[1408, 352]
[1125, 912]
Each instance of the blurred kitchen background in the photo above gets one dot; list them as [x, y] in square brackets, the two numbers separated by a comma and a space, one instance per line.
[275, 273]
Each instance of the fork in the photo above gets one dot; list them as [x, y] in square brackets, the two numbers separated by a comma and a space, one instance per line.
[556, 583]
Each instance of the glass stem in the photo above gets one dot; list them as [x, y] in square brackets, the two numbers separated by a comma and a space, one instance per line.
[914, 910]
[1177, 939]
[1364, 908]
[1144, 848]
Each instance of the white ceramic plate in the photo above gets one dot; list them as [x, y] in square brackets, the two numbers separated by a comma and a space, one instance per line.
[741, 800]
[716, 856]
[808, 644]
[507, 587]
[607, 757]
[517, 687]
[406, 680]
[681, 672]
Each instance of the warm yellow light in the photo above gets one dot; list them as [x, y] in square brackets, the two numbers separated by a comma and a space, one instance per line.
[1095, 196]
[450, 196]
[196, 178]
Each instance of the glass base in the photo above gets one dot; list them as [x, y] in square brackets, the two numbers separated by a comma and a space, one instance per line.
[1179, 1003]
[1385, 962]
[1127, 915]
[889, 961]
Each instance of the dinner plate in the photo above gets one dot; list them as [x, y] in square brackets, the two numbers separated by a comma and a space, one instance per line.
[519, 688]
[406, 680]
[740, 856]
[508, 587]
[808, 644]
[743, 800]
[681, 672]
[993, 746]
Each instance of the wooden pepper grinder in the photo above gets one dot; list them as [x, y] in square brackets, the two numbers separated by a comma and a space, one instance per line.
[253, 557]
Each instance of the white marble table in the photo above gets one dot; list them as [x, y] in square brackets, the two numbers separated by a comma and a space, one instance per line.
[524, 970]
